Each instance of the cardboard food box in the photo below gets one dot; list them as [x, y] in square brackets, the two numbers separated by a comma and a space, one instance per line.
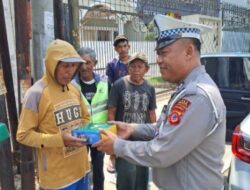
[91, 132]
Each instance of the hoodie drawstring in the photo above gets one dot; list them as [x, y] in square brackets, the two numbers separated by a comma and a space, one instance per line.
[63, 90]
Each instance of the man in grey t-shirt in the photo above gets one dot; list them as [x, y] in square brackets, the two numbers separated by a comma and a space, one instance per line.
[186, 146]
[132, 100]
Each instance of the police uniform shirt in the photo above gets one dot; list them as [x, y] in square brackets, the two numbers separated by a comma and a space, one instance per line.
[188, 141]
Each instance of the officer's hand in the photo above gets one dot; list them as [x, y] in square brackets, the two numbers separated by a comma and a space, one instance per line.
[107, 143]
[124, 130]
[69, 140]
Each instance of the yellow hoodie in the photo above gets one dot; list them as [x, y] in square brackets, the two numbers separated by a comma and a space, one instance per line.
[49, 108]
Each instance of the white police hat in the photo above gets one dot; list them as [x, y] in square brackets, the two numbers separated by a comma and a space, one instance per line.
[168, 30]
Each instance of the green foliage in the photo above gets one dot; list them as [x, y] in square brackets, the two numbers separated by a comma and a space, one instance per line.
[155, 80]
[150, 26]
[150, 35]
[159, 83]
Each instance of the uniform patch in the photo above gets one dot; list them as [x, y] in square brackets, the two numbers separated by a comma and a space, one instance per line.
[174, 118]
[178, 110]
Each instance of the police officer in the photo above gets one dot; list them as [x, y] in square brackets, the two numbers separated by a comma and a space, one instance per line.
[186, 146]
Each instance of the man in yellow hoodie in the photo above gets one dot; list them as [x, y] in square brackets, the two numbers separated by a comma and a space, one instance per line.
[52, 107]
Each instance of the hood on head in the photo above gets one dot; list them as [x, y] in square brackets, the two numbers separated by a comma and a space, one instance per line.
[59, 50]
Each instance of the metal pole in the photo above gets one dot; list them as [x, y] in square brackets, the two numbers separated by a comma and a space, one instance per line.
[58, 19]
[74, 23]
[24, 81]
[6, 172]
[7, 74]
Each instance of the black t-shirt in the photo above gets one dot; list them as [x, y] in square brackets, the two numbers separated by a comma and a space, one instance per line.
[133, 102]
[88, 89]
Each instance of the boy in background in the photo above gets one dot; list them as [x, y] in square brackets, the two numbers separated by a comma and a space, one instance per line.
[116, 69]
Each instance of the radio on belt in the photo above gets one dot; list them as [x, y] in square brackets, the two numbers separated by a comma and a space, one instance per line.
[91, 132]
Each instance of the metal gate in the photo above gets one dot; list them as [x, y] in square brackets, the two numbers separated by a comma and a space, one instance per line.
[102, 20]
[236, 28]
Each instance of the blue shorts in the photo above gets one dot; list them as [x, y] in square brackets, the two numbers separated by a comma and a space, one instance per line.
[82, 184]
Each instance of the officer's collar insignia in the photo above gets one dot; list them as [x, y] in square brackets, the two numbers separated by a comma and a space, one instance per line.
[180, 107]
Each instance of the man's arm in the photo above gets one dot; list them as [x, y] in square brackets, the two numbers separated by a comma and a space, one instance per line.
[28, 124]
[110, 73]
[152, 116]
[113, 102]
[111, 113]
[174, 141]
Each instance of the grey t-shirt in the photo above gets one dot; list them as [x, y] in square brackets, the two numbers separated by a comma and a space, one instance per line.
[133, 102]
